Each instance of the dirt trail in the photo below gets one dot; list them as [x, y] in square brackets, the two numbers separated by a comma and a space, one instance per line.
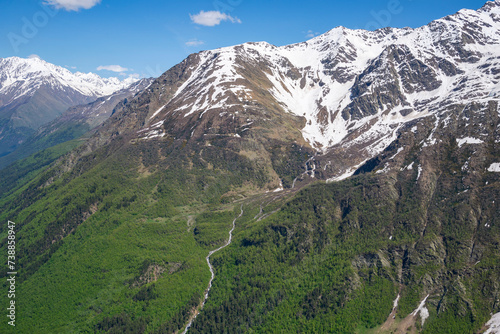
[198, 309]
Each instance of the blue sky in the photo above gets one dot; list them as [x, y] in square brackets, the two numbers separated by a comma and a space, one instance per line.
[145, 38]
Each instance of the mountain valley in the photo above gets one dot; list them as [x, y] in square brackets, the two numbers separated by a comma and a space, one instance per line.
[359, 170]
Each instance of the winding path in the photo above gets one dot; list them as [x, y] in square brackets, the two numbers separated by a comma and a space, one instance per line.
[212, 271]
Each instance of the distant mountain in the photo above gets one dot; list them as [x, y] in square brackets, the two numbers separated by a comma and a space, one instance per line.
[357, 171]
[34, 92]
[74, 122]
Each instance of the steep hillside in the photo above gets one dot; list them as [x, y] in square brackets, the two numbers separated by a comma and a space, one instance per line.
[410, 229]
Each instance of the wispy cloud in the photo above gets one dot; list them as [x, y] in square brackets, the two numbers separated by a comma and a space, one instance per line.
[194, 42]
[134, 76]
[311, 34]
[34, 56]
[212, 18]
[74, 5]
[113, 68]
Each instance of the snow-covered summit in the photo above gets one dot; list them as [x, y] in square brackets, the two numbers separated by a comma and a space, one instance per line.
[34, 92]
[23, 77]
[353, 89]
[345, 78]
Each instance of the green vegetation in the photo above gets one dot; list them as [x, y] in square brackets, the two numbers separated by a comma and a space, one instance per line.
[293, 272]
[325, 264]
[21, 172]
[114, 241]
[39, 142]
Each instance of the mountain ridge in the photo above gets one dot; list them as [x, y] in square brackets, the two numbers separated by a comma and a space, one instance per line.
[16, 72]
[73, 123]
[34, 92]
[345, 88]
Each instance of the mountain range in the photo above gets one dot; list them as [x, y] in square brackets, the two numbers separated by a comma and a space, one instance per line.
[350, 90]
[73, 123]
[348, 184]
[34, 92]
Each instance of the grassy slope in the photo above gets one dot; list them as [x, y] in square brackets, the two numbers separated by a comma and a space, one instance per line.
[83, 241]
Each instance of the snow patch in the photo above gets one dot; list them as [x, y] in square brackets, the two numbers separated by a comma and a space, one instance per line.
[280, 188]
[399, 151]
[158, 124]
[468, 140]
[348, 173]
[493, 324]
[419, 171]
[153, 134]
[157, 111]
[430, 141]
[465, 167]
[494, 167]
[396, 301]
[424, 312]
[384, 170]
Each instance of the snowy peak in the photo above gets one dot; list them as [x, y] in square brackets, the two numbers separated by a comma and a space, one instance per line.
[34, 92]
[23, 77]
[353, 73]
[491, 6]
[345, 91]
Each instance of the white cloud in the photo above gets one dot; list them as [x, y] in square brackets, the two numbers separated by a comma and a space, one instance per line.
[114, 68]
[311, 34]
[74, 5]
[34, 56]
[194, 42]
[212, 18]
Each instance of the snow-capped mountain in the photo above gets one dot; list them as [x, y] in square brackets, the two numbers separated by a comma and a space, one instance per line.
[345, 91]
[23, 77]
[34, 92]
[74, 122]
[412, 114]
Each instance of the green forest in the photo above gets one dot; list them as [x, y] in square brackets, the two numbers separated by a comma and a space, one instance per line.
[116, 243]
